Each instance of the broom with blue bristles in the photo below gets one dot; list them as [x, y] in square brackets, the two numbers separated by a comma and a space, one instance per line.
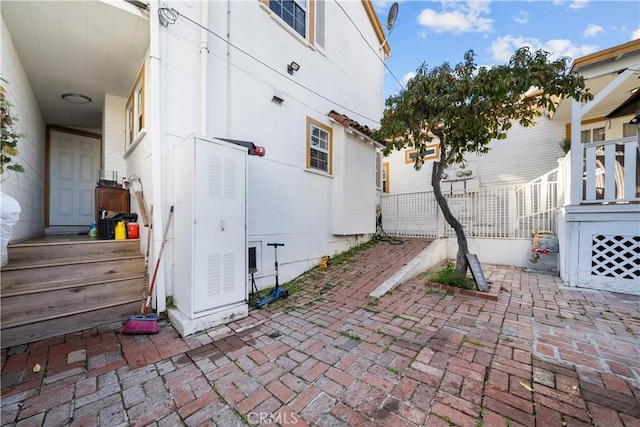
[148, 323]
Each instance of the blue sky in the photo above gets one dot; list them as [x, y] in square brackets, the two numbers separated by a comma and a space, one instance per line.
[434, 32]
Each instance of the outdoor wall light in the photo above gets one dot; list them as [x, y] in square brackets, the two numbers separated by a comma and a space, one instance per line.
[294, 66]
[76, 98]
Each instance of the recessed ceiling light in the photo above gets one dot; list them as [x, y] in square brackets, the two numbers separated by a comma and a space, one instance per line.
[76, 98]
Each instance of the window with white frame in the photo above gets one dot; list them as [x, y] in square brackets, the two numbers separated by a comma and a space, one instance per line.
[378, 169]
[318, 146]
[292, 12]
[135, 110]
[592, 135]
[385, 177]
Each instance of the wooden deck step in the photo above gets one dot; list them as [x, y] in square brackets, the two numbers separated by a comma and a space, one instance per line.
[98, 316]
[14, 277]
[53, 287]
[36, 254]
[23, 309]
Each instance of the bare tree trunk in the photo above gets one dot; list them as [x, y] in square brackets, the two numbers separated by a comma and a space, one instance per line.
[436, 176]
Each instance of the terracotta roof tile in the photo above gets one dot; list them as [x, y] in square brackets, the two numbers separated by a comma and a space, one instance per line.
[347, 122]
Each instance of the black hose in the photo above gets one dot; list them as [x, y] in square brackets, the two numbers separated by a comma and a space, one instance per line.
[382, 235]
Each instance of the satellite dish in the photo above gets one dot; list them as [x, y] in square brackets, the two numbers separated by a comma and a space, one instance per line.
[393, 14]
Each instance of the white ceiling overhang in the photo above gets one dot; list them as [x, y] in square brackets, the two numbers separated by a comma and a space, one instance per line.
[612, 82]
[91, 48]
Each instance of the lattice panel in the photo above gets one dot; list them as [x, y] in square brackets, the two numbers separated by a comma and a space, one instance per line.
[616, 256]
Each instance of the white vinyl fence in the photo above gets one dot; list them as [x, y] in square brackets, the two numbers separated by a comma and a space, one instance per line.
[507, 212]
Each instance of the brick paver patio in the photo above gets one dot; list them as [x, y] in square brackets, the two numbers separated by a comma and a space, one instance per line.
[541, 355]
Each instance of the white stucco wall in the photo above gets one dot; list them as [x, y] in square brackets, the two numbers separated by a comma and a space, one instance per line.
[513, 252]
[113, 135]
[287, 203]
[27, 188]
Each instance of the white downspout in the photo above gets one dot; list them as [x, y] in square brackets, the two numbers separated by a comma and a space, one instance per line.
[153, 101]
[228, 131]
[204, 69]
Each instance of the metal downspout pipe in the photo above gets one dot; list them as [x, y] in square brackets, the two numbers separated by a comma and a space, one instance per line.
[157, 150]
[204, 69]
[228, 131]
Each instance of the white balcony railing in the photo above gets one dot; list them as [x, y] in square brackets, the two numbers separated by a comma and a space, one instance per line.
[610, 172]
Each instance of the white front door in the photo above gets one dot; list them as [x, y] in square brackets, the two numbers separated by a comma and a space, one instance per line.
[74, 165]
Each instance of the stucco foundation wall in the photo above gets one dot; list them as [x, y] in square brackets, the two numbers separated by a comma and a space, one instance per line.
[514, 252]
[27, 188]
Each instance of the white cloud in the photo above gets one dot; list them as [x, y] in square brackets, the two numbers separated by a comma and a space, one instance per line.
[573, 4]
[460, 17]
[503, 48]
[578, 4]
[521, 18]
[592, 31]
[405, 79]
[635, 34]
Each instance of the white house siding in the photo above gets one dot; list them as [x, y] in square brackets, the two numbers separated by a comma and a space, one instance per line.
[286, 203]
[526, 154]
[523, 156]
[27, 188]
[113, 135]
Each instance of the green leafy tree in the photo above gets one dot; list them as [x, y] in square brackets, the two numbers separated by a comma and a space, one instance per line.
[464, 108]
[10, 136]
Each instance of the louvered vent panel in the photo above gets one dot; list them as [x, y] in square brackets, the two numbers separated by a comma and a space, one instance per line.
[230, 171]
[215, 176]
[214, 270]
[229, 279]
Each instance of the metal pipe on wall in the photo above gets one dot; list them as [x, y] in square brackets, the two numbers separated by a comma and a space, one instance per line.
[204, 69]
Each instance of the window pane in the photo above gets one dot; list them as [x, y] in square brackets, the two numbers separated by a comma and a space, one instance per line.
[319, 160]
[319, 138]
[598, 134]
[585, 136]
[291, 12]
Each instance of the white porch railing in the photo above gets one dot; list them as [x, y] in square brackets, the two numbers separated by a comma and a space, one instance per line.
[610, 173]
[505, 212]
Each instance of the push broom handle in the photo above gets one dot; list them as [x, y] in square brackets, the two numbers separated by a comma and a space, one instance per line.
[155, 270]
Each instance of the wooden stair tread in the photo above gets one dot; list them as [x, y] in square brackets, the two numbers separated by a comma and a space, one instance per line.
[53, 285]
[53, 288]
[73, 243]
[64, 311]
[65, 261]
[88, 322]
